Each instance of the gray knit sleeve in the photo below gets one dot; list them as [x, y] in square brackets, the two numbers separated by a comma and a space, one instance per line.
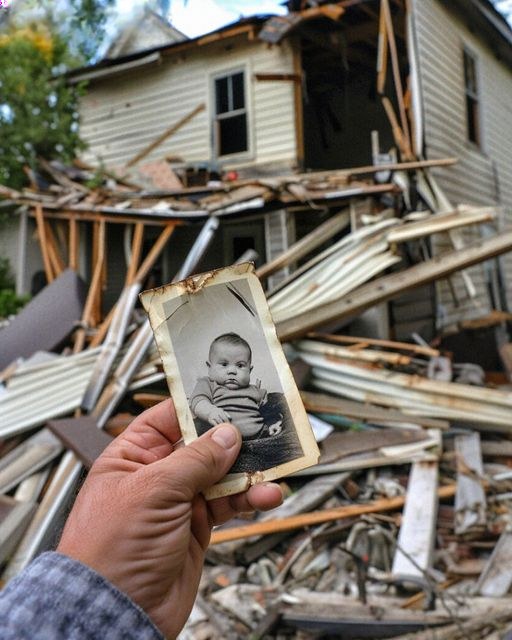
[57, 598]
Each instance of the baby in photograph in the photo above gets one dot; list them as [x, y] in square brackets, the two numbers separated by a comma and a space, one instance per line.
[227, 395]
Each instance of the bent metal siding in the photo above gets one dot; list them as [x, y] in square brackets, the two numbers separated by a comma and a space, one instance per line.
[122, 115]
[482, 176]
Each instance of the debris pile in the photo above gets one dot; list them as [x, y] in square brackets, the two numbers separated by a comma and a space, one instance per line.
[402, 529]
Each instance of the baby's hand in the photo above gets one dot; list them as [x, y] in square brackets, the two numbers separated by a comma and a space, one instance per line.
[275, 428]
[217, 416]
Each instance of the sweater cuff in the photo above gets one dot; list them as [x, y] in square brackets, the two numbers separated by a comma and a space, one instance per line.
[57, 597]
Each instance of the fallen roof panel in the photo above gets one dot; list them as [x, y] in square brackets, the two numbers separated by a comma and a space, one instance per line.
[46, 320]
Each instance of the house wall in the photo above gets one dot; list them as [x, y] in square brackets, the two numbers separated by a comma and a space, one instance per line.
[10, 234]
[483, 175]
[122, 115]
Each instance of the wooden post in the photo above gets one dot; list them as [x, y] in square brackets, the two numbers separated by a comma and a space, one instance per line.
[99, 263]
[398, 134]
[53, 251]
[155, 251]
[138, 277]
[87, 315]
[298, 108]
[22, 253]
[73, 246]
[382, 54]
[43, 243]
[396, 75]
[138, 236]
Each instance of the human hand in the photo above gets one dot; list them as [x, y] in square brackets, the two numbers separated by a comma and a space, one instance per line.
[141, 521]
[218, 416]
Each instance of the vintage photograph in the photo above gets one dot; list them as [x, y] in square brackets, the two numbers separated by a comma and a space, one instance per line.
[224, 363]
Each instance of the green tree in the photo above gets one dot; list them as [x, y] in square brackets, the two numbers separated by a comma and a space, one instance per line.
[82, 24]
[39, 41]
[38, 109]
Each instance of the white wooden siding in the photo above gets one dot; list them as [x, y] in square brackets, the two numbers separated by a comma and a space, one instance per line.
[441, 37]
[279, 234]
[122, 115]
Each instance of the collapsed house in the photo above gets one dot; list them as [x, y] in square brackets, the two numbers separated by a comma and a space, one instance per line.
[404, 524]
[305, 91]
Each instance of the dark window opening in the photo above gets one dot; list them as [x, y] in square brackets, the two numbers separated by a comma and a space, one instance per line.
[241, 244]
[472, 101]
[230, 115]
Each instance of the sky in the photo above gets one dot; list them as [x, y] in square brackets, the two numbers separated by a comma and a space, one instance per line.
[195, 17]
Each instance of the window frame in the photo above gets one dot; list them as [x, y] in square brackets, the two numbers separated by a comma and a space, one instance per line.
[472, 96]
[215, 117]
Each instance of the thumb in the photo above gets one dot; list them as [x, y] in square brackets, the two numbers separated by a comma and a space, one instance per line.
[200, 464]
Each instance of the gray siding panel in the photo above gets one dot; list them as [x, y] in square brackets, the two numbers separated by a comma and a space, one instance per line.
[441, 37]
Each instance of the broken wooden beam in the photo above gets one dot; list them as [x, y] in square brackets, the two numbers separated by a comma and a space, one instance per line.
[166, 134]
[317, 517]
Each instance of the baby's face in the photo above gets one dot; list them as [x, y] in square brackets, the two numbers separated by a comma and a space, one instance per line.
[230, 365]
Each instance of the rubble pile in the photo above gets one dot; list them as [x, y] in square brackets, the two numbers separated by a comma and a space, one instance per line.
[402, 529]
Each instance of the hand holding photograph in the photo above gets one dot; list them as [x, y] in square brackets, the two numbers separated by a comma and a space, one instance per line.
[224, 363]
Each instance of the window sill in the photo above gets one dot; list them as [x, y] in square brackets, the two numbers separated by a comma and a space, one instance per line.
[243, 156]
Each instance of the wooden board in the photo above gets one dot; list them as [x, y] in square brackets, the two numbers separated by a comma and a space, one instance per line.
[416, 539]
[470, 504]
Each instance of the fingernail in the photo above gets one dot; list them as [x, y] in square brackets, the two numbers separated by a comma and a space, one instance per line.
[225, 436]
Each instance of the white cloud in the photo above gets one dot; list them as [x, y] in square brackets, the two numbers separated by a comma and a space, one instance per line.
[196, 17]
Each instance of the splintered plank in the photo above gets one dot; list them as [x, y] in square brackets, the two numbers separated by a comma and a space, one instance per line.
[470, 506]
[309, 497]
[415, 545]
[496, 578]
[317, 517]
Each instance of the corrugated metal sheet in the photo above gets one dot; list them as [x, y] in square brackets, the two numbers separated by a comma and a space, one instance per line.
[441, 37]
[122, 115]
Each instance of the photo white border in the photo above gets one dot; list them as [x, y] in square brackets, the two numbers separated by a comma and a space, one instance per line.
[154, 301]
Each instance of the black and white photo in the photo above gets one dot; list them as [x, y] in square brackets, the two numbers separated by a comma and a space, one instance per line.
[224, 363]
